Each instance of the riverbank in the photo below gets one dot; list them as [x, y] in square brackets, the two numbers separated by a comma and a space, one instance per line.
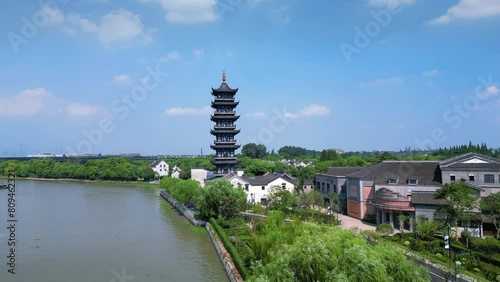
[128, 183]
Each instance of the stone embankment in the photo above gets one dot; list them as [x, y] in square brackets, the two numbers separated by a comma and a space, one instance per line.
[225, 258]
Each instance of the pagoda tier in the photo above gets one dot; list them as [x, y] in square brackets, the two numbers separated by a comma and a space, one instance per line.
[224, 131]
[221, 103]
[232, 147]
[224, 117]
[217, 162]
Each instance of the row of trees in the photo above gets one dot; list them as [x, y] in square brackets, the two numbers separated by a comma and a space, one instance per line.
[108, 169]
[218, 197]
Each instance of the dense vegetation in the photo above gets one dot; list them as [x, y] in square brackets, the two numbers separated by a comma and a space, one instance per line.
[106, 169]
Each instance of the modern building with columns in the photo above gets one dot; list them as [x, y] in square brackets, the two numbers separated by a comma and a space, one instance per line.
[384, 190]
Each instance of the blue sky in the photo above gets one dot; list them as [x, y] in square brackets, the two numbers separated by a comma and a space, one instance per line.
[97, 76]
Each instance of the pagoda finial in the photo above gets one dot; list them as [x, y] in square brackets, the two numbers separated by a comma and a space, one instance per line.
[223, 76]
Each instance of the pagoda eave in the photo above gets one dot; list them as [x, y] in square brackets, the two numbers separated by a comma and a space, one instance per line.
[219, 131]
[232, 147]
[224, 162]
[217, 117]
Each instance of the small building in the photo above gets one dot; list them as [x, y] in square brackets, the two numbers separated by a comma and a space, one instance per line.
[333, 181]
[477, 170]
[308, 185]
[160, 168]
[259, 187]
[176, 172]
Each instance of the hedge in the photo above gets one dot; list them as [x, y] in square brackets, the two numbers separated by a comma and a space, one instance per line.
[231, 249]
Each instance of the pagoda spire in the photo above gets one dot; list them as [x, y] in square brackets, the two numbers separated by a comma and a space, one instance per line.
[223, 76]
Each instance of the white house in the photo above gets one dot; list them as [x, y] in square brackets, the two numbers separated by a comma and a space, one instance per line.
[258, 187]
[160, 168]
[176, 171]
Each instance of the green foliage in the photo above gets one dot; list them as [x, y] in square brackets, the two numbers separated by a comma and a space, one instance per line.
[183, 191]
[292, 152]
[233, 252]
[281, 198]
[328, 155]
[210, 199]
[461, 199]
[385, 229]
[311, 199]
[427, 229]
[313, 253]
[254, 151]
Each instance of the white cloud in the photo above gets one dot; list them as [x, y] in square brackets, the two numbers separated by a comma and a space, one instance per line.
[389, 2]
[384, 81]
[198, 53]
[491, 91]
[469, 9]
[188, 11]
[119, 26]
[188, 111]
[55, 16]
[172, 56]
[123, 80]
[431, 73]
[312, 110]
[81, 110]
[256, 115]
[27, 103]
[39, 101]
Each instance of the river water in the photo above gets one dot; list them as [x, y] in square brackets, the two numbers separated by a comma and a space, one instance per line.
[82, 232]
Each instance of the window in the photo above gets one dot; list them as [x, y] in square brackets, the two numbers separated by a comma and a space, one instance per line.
[283, 185]
[246, 187]
[335, 188]
[263, 188]
[328, 187]
[452, 177]
[412, 182]
[489, 178]
[318, 186]
[392, 181]
[322, 186]
[471, 177]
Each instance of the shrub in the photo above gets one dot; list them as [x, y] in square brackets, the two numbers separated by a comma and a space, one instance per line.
[477, 269]
[231, 249]
[498, 278]
[385, 229]
[407, 243]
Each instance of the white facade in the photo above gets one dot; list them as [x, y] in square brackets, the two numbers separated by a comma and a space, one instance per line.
[160, 168]
[258, 190]
[176, 171]
[201, 175]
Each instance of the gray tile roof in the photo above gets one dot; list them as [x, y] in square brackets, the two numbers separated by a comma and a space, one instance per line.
[341, 171]
[457, 162]
[155, 163]
[425, 198]
[427, 173]
[265, 179]
[308, 182]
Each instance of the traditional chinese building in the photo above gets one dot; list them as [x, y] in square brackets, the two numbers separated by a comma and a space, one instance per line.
[224, 130]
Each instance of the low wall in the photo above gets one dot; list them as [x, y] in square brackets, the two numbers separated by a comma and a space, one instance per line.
[187, 213]
[224, 256]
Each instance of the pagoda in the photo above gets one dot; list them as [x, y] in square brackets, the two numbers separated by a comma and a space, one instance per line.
[224, 129]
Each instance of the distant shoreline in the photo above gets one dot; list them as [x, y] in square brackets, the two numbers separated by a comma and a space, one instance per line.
[82, 180]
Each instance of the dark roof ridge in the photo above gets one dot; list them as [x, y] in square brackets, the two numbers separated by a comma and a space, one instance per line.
[365, 171]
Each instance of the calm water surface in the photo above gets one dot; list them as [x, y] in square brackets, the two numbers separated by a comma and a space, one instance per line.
[76, 232]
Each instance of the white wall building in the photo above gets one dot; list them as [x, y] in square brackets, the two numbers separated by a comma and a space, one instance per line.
[160, 168]
[176, 172]
[258, 187]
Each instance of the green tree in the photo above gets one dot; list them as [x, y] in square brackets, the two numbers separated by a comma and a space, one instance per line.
[490, 206]
[402, 219]
[328, 155]
[254, 151]
[385, 229]
[427, 229]
[313, 198]
[281, 198]
[461, 199]
[209, 200]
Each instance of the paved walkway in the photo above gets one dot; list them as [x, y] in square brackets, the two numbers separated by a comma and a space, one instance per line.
[351, 222]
